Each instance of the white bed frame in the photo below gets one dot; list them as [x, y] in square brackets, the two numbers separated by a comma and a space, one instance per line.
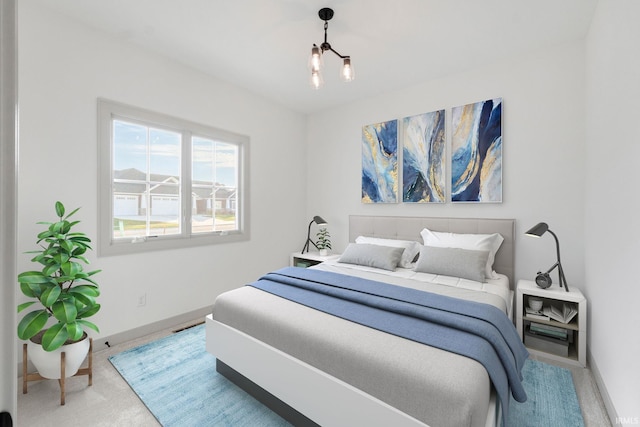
[304, 395]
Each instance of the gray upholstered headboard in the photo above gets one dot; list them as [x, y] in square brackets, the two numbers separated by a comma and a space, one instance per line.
[409, 228]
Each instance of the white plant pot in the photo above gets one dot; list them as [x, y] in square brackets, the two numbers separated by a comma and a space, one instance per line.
[48, 362]
[323, 252]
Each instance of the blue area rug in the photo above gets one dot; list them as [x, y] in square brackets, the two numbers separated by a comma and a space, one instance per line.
[551, 398]
[176, 378]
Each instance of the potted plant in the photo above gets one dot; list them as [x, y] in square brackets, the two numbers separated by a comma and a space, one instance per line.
[324, 242]
[65, 294]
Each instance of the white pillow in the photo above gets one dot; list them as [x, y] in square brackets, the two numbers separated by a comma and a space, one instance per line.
[411, 248]
[474, 242]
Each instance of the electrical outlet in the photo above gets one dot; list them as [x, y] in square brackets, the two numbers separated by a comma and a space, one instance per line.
[142, 300]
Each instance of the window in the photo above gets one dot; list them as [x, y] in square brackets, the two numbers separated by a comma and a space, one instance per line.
[166, 183]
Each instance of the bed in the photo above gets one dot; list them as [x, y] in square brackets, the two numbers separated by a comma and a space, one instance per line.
[316, 368]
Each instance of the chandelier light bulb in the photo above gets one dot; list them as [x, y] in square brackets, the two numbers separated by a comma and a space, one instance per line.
[347, 73]
[315, 61]
[316, 79]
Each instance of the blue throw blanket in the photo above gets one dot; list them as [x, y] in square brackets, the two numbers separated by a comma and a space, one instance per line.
[475, 330]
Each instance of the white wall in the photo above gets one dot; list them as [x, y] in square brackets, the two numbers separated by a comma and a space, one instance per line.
[543, 165]
[612, 223]
[64, 68]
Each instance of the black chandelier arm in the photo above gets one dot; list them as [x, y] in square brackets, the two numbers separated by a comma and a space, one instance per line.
[327, 46]
[326, 14]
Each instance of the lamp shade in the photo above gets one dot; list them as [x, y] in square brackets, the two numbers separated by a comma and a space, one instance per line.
[538, 229]
[318, 220]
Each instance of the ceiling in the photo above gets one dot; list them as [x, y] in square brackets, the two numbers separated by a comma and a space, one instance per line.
[264, 45]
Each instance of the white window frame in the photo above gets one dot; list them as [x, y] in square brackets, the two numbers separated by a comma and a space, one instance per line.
[107, 245]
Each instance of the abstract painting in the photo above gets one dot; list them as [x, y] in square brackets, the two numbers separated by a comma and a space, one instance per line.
[380, 162]
[476, 152]
[423, 157]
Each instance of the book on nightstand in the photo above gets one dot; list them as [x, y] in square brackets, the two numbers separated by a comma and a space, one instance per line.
[565, 315]
[548, 330]
[535, 314]
[546, 343]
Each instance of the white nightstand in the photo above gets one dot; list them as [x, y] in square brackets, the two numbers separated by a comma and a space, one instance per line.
[309, 259]
[543, 344]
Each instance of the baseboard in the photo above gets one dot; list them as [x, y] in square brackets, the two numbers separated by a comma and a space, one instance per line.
[606, 399]
[141, 331]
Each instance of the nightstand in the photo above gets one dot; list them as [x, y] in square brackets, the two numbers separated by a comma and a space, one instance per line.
[556, 340]
[309, 259]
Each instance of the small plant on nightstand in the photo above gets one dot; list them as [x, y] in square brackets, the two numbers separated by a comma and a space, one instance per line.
[324, 242]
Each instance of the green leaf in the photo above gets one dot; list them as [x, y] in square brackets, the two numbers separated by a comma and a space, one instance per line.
[66, 227]
[56, 229]
[84, 300]
[49, 270]
[32, 323]
[33, 277]
[67, 246]
[50, 295]
[88, 311]
[79, 250]
[65, 311]
[59, 209]
[74, 211]
[55, 337]
[25, 305]
[44, 234]
[32, 290]
[88, 279]
[88, 290]
[89, 325]
[75, 331]
[71, 268]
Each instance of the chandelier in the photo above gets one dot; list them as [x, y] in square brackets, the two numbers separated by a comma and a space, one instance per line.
[315, 61]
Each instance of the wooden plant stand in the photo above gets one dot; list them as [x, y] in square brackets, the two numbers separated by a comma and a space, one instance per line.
[26, 377]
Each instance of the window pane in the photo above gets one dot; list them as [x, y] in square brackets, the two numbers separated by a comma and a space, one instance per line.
[214, 186]
[146, 181]
[129, 146]
[164, 210]
[164, 153]
[129, 218]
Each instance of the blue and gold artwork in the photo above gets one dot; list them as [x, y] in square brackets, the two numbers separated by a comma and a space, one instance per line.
[380, 162]
[476, 152]
[423, 158]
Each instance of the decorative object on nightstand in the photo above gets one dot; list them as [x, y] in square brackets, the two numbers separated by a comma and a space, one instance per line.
[535, 304]
[321, 222]
[543, 280]
[324, 242]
